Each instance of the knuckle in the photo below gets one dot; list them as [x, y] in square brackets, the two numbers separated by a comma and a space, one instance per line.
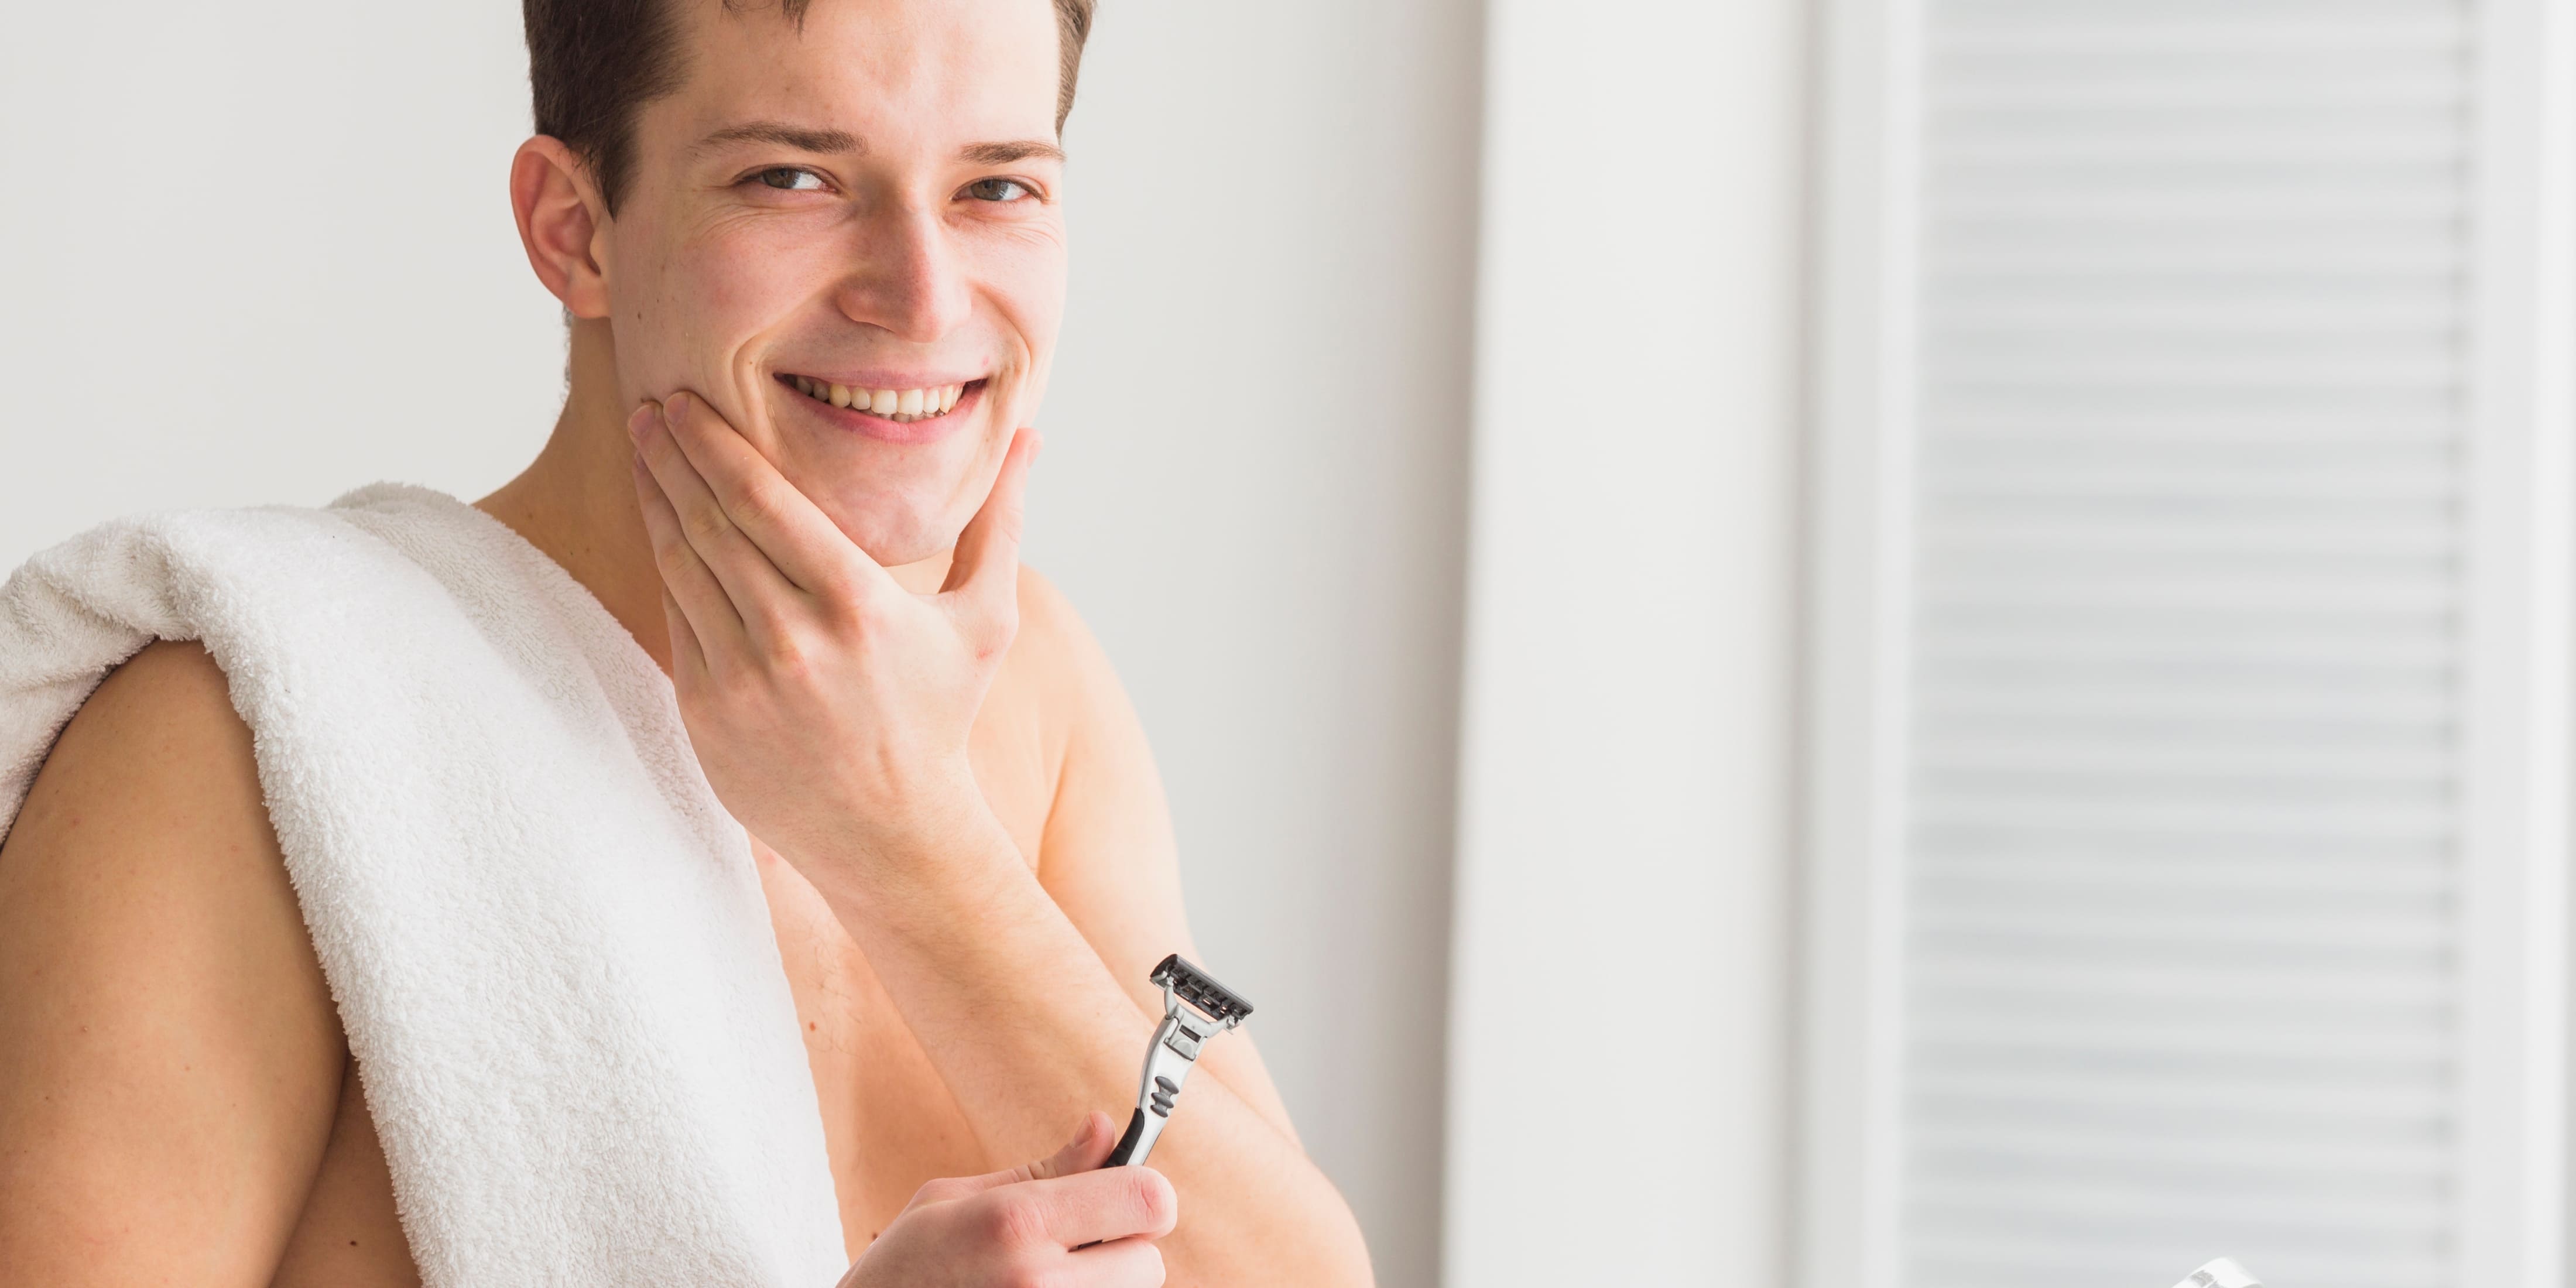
[989, 636]
[787, 653]
[1004, 629]
[758, 503]
[781, 645]
[707, 523]
[1015, 1221]
[674, 559]
[842, 602]
[1156, 1201]
[871, 615]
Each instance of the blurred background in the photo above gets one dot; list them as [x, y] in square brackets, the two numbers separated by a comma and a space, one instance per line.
[1852, 643]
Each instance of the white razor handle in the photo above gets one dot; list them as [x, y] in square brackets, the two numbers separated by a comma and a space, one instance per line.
[1167, 1065]
[2221, 1273]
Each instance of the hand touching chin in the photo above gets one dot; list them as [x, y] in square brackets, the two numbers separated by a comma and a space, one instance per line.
[829, 706]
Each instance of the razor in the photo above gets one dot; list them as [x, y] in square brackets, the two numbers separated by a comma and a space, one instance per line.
[1195, 1009]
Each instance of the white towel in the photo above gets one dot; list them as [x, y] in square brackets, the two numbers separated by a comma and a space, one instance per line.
[546, 938]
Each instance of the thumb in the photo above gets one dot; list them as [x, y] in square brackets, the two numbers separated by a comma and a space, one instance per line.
[986, 564]
[1088, 1149]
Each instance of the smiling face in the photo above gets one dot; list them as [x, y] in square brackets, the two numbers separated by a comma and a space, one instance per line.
[847, 239]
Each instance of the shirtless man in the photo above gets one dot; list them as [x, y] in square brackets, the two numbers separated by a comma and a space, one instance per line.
[747, 213]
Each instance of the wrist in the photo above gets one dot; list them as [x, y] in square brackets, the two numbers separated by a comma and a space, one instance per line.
[913, 860]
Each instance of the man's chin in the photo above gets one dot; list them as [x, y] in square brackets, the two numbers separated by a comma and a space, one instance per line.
[894, 539]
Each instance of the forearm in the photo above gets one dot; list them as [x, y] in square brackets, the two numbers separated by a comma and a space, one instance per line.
[1030, 1031]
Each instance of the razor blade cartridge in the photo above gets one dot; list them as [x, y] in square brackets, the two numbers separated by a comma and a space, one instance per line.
[1201, 990]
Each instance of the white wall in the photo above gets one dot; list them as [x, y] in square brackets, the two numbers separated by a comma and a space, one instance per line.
[261, 255]
[255, 258]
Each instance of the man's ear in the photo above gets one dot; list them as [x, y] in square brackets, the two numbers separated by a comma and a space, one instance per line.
[560, 217]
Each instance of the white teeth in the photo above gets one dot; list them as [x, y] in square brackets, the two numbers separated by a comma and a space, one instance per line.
[906, 404]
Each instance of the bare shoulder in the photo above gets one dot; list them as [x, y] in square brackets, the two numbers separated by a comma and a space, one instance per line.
[156, 753]
[1054, 640]
[1063, 679]
[1109, 856]
[1108, 806]
[175, 1054]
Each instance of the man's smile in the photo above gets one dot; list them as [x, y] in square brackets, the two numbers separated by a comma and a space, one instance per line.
[901, 406]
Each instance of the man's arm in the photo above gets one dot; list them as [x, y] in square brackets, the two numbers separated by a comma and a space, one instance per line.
[1110, 862]
[831, 708]
[170, 1060]
[1109, 858]
[1027, 1025]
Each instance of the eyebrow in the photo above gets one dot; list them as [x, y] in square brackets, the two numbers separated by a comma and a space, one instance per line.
[1006, 153]
[803, 138]
[809, 139]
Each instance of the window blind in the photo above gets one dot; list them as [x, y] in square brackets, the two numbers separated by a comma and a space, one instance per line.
[2180, 878]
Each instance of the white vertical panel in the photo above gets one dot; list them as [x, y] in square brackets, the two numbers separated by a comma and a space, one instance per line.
[1859, 630]
[1617, 1030]
[2190, 715]
[2515, 809]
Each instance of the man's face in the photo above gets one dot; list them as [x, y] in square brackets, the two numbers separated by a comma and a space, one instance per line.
[870, 203]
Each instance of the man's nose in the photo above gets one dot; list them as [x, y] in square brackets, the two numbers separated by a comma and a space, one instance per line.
[909, 280]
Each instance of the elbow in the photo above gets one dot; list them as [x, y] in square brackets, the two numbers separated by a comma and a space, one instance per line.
[1336, 1253]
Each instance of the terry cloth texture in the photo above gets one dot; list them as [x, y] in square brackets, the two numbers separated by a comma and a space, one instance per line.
[546, 938]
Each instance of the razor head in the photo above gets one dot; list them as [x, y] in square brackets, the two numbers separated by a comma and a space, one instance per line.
[1201, 990]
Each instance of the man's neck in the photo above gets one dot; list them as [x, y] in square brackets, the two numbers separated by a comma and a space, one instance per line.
[576, 501]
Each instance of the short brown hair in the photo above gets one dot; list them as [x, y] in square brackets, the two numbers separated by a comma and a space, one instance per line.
[593, 63]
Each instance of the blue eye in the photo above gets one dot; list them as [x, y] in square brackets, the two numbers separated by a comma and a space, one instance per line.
[997, 190]
[792, 179]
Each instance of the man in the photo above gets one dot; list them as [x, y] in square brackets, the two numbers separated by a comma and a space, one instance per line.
[814, 259]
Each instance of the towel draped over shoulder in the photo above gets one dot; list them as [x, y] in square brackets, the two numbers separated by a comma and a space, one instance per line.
[546, 939]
